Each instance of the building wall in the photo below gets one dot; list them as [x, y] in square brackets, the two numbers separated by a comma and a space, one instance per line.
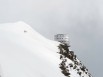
[63, 38]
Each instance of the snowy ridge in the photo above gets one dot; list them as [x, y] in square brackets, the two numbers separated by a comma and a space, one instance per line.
[70, 65]
[26, 53]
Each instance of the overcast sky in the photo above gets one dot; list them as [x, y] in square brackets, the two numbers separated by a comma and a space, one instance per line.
[82, 20]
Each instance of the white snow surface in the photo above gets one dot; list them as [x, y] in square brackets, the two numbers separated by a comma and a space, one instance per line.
[26, 53]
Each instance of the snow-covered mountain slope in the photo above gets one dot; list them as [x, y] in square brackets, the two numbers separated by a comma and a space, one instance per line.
[25, 53]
